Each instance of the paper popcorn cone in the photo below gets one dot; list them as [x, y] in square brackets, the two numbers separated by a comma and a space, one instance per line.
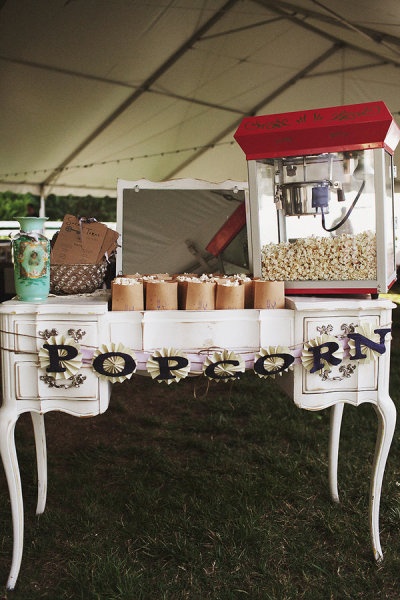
[248, 293]
[200, 296]
[128, 296]
[182, 293]
[161, 295]
[269, 294]
[229, 296]
[183, 280]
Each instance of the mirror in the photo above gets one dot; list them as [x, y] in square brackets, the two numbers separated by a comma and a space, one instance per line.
[166, 227]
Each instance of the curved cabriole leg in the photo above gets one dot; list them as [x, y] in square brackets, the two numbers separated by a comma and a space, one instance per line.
[386, 412]
[41, 459]
[8, 452]
[334, 438]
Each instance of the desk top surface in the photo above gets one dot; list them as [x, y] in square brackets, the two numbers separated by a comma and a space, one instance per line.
[97, 303]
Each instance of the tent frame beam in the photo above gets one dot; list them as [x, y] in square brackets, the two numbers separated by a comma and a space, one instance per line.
[265, 101]
[144, 88]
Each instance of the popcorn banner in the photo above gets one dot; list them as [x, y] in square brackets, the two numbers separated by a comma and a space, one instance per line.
[61, 357]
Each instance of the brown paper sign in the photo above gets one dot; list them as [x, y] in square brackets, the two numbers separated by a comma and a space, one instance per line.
[109, 245]
[78, 242]
[93, 235]
[68, 246]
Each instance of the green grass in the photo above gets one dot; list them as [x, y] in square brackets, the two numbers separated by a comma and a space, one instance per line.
[223, 497]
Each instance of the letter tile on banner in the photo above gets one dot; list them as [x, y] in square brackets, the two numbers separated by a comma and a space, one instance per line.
[168, 365]
[61, 356]
[367, 343]
[321, 352]
[224, 366]
[114, 362]
[272, 361]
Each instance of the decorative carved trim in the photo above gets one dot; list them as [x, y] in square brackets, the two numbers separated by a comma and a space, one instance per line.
[325, 329]
[76, 334]
[46, 334]
[345, 327]
[348, 328]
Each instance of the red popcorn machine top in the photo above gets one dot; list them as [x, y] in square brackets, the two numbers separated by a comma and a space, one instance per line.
[321, 198]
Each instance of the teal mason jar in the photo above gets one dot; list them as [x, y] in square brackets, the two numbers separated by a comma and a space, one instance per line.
[31, 256]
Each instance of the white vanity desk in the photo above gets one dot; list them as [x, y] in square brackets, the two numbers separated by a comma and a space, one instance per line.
[25, 326]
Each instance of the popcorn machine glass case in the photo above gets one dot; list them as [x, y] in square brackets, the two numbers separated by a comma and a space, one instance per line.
[321, 198]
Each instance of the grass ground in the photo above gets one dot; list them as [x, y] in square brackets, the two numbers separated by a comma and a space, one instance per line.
[184, 492]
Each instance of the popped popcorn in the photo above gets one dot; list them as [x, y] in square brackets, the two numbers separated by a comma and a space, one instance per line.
[343, 257]
[126, 281]
[229, 282]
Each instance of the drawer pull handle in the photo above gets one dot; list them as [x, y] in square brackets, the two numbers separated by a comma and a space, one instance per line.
[48, 333]
[74, 381]
[346, 371]
[76, 334]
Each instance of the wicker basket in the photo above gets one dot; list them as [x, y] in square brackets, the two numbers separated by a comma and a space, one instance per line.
[76, 279]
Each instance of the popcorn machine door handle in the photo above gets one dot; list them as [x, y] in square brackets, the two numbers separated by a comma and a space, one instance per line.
[347, 215]
[340, 195]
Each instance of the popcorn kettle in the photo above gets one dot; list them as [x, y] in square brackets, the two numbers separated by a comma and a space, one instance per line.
[297, 193]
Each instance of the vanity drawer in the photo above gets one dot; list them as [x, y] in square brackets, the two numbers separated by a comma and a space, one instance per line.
[337, 326]
[348, 375]
[31, 334]
[182, 329]
[28, 384]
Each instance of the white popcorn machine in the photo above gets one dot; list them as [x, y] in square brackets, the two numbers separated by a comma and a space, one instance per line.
[321, 198]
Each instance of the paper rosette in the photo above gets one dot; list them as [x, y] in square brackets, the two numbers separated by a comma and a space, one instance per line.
[272, 363]
[370, 354]
[71, 366]
[153, 366]
[114, 365]
[225, 368]
[307, 356]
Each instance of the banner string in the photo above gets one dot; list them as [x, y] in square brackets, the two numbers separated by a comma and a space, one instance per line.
[200, 352]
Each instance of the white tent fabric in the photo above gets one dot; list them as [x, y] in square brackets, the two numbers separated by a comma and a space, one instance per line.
[93, 91]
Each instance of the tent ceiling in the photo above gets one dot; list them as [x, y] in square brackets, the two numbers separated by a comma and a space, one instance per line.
[93, 91]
